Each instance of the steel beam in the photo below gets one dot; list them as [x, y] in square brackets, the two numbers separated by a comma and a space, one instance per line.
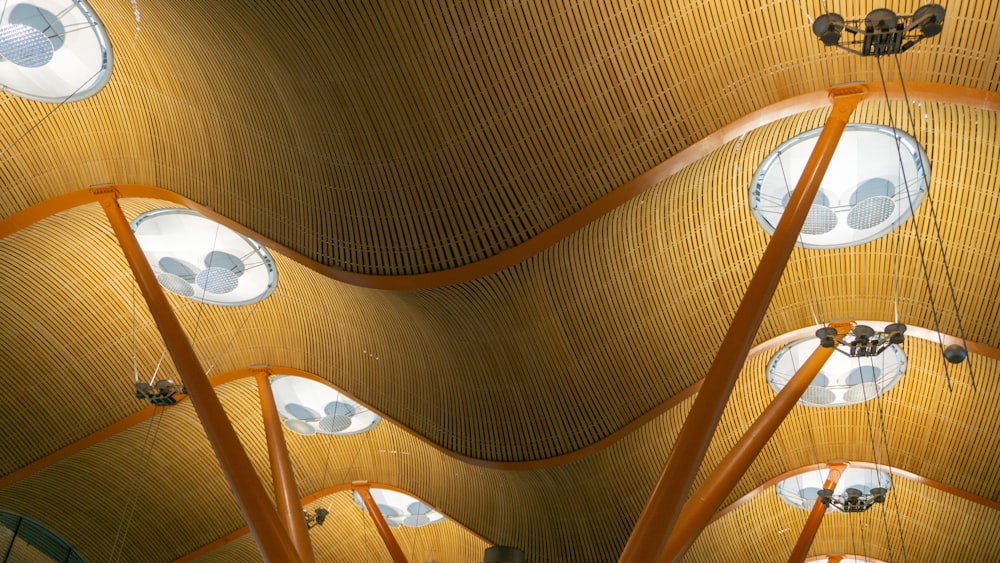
[272, 540]
[286, 494]
[815, 517]
[656, 522]
[698, 510]
[380, 524]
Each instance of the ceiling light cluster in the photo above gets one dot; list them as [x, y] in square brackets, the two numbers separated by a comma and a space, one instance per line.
[862, 341]
[53, 50]
[881, 32]
[851, 377]
[199, 259]
[160, 394]
[400, 509]
[309, 407]
[876, 179]
[852, 499]
[857, 490]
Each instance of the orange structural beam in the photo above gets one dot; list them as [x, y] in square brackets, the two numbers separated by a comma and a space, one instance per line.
[286, 494]
[808, 534]
[380, 524]
[698, 510]
[273, 542]
[648, 539]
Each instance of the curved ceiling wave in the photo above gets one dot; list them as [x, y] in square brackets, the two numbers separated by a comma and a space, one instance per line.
[366, 166]
[612, 308]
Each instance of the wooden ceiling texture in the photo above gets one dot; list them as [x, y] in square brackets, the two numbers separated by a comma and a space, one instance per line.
[517, 230]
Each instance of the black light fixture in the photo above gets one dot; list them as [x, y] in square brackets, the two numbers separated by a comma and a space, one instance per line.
[862, 341]
[881, 32]
[159, 394]
[314, 519]
[852, 500]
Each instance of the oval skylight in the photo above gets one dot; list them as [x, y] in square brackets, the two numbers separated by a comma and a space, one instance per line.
[53, 50]
[875, 176]
[801, 490]
[843, 380]
[197, 258]
[22, 539]
[400, 509]
[309, 407]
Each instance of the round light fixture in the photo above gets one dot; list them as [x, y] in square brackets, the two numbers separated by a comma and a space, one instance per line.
[53, 50]
[876, 176]
[844, 380]
[197, 258]
[309, 407]
[400, 509]
[802, 490]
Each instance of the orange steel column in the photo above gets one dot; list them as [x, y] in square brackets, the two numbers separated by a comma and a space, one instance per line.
[815, 517]
[656, 522]
[383, 527]
[698, 510]
[272, 540]
[286, 494]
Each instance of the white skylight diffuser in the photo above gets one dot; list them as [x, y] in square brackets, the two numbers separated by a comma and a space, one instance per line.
[843, 380]
[801, 490]
[309, 407]
[53, 50]
[877, 174]
[400, 509]
[197, 258]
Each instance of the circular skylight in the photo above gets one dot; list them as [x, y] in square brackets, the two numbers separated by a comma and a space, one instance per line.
[874, 176]
[197, 258]
[53, 50]
[843, 380]
[309, 407]
[400, 509]
[801, 490]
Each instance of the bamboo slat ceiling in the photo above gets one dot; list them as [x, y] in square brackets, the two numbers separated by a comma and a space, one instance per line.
[407, 138]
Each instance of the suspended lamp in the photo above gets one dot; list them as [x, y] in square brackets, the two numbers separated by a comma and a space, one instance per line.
[869, 364]
[858, 489]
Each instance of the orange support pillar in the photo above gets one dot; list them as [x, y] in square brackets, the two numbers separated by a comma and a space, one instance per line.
[286, 494]
[380, 524]
[698, 510]
[272, 541]
[815, 517]
[649, 538]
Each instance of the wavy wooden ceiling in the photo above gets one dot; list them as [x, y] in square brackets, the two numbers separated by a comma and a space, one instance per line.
[414, 137]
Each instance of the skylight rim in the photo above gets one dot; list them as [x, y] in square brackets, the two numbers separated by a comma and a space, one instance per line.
[908, 196]
[20, 84]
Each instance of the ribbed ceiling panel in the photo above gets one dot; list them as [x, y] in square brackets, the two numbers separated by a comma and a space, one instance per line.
[420, 137]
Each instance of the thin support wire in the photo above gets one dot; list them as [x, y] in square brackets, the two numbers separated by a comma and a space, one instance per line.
[132, 488]
[201, 302]
[885, 444]
[48, 114]
[813, 292]
[145, 468]
[916, 227]
[232, 338]
[937, 231]
[135, 361]
[888, 461]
